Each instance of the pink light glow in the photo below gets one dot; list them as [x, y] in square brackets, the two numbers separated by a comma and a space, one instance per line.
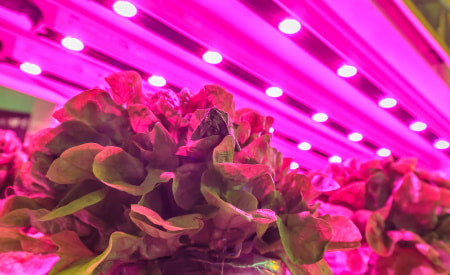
[383, 152]
[320, 117]
[417, 126]
[294, 165]
[441, 144]
[347, 71]
[212, 57]
[335, 159]
[30, 68]
[289, 26]
[387, 103]
[274, 92]
[72, 43]
[125, 8]
[271, 130]
[355, 137]
[157, 81]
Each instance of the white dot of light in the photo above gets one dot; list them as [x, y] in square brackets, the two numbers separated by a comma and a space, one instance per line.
[72, 43]
[271, 130]
[320, 117]
[274, 92]
[294, 165]
[304, 146]
[441, 144]
[212, 57]
[384, 152]
[125, 8]
[355, 137]
[335, 159]
[157, 81]
[289, 26]
[347, 71]
[417, 126]
[30, 68]
[387, 103]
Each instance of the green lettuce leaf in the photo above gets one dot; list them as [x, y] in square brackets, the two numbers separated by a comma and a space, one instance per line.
[304, 237]
[76, 205]
[75, 164]
[126, 87]
[118, 169]
[141, 118]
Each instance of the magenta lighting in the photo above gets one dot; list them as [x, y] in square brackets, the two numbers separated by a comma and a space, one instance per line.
[212, 57]
[271, 130]
[72, 43]
[441, 144]
[289, 26]
[274, 92]
[125, 8]
[384, 152]
[30, 68]
[355, 137]
[347, 71]
[157, 81]
[294, 165]
[304, 146]
[335, 159]
[387, 103]
[417, 126]
[320, 117]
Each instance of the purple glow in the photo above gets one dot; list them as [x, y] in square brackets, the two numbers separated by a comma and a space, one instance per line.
[274, 92]
[335, 159]
[355, 137]
[289, 26]
[441, 144]
[304, 146]
[347, 71]
[320, 117]
[125, 8]
[212, 57]
[417, 126]
[384, 152]
[294, 165]
[387, 103]
[30, 68]
[157, 81]
[72, 43]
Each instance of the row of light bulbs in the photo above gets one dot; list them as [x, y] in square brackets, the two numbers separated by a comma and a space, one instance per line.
[287, 26]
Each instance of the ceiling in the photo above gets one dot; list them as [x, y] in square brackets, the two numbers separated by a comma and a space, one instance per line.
[394, 55]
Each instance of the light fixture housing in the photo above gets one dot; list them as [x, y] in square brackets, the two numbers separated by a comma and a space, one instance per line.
[289, 26]
[30, 68]
[418, 126]
[212, 57]
[72, 43]
[355, 137]
[441, 144]
[347, 71]
[383, 152]
[335, 159]
[320, 117]
[387, 102]
[125, 8]
[157, 81]
[274, 92]
[304, 146]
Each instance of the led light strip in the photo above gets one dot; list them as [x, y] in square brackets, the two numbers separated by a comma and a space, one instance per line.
[34, 69]
[274, 15]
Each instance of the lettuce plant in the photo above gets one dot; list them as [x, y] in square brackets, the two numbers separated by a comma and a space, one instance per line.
[135, 183]
[402, 212]
[11, 158]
